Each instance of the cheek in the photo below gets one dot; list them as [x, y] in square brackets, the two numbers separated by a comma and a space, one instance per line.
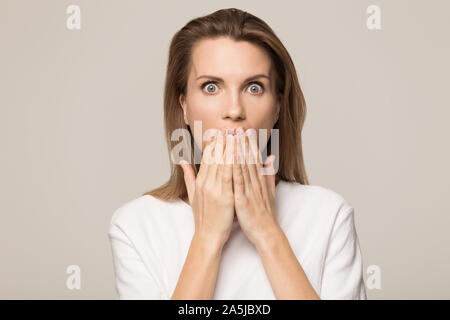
[201, 112]
[261, 115]
[200, 106]
[207, 118]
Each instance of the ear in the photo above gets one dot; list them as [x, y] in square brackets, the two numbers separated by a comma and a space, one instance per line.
[183, 106]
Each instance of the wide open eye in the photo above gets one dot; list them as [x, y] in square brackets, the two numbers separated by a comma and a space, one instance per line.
[209, 86]
[256, 87]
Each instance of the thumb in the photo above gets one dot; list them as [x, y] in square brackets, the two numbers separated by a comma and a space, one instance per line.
[270, 176]
[189, 179]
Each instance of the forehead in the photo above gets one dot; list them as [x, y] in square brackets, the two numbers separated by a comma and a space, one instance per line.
[226, 58]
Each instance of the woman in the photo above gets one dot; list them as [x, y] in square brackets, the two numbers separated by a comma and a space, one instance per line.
[229, 229]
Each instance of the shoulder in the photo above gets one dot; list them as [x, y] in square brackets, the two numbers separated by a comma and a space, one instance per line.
[318, 205]
[311, 195]
[139, 212]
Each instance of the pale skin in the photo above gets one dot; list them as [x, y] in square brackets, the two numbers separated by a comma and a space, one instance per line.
[228, 187]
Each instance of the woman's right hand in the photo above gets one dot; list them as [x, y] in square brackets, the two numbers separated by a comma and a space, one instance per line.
[211, 192]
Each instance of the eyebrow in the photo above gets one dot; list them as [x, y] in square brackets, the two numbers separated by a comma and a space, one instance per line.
[248, 79]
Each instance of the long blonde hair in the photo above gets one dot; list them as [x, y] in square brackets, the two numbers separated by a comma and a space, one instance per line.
[240, 26]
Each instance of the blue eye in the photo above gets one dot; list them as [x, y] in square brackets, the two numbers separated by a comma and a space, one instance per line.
[254, 85]
[209, 85]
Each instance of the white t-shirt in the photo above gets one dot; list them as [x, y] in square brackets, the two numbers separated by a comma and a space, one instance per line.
[150, 239]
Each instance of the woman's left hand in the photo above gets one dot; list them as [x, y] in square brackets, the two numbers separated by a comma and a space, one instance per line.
[254, 192]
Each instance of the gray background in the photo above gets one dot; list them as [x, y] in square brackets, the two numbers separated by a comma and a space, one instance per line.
[81, 130]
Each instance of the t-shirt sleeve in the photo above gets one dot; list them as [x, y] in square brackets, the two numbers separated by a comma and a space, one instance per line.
[132, 277]
[342, 277]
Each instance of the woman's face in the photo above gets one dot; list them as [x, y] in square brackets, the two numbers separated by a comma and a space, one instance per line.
[220, 93]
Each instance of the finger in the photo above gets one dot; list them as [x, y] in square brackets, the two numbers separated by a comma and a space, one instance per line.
[220, 151]
[189, 179]
[238, 179]
[270, 174]
[254, 180]
[217, 155]
[256, 163]
[244, 167]
[223, 144]
[203, 172]
[227, 166]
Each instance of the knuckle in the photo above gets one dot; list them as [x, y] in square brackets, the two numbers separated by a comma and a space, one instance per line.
[215, 197]
[209, 185]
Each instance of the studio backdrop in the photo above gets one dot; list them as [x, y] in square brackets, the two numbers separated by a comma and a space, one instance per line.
[82, 131]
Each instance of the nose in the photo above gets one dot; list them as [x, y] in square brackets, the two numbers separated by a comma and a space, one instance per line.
[234, 110]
